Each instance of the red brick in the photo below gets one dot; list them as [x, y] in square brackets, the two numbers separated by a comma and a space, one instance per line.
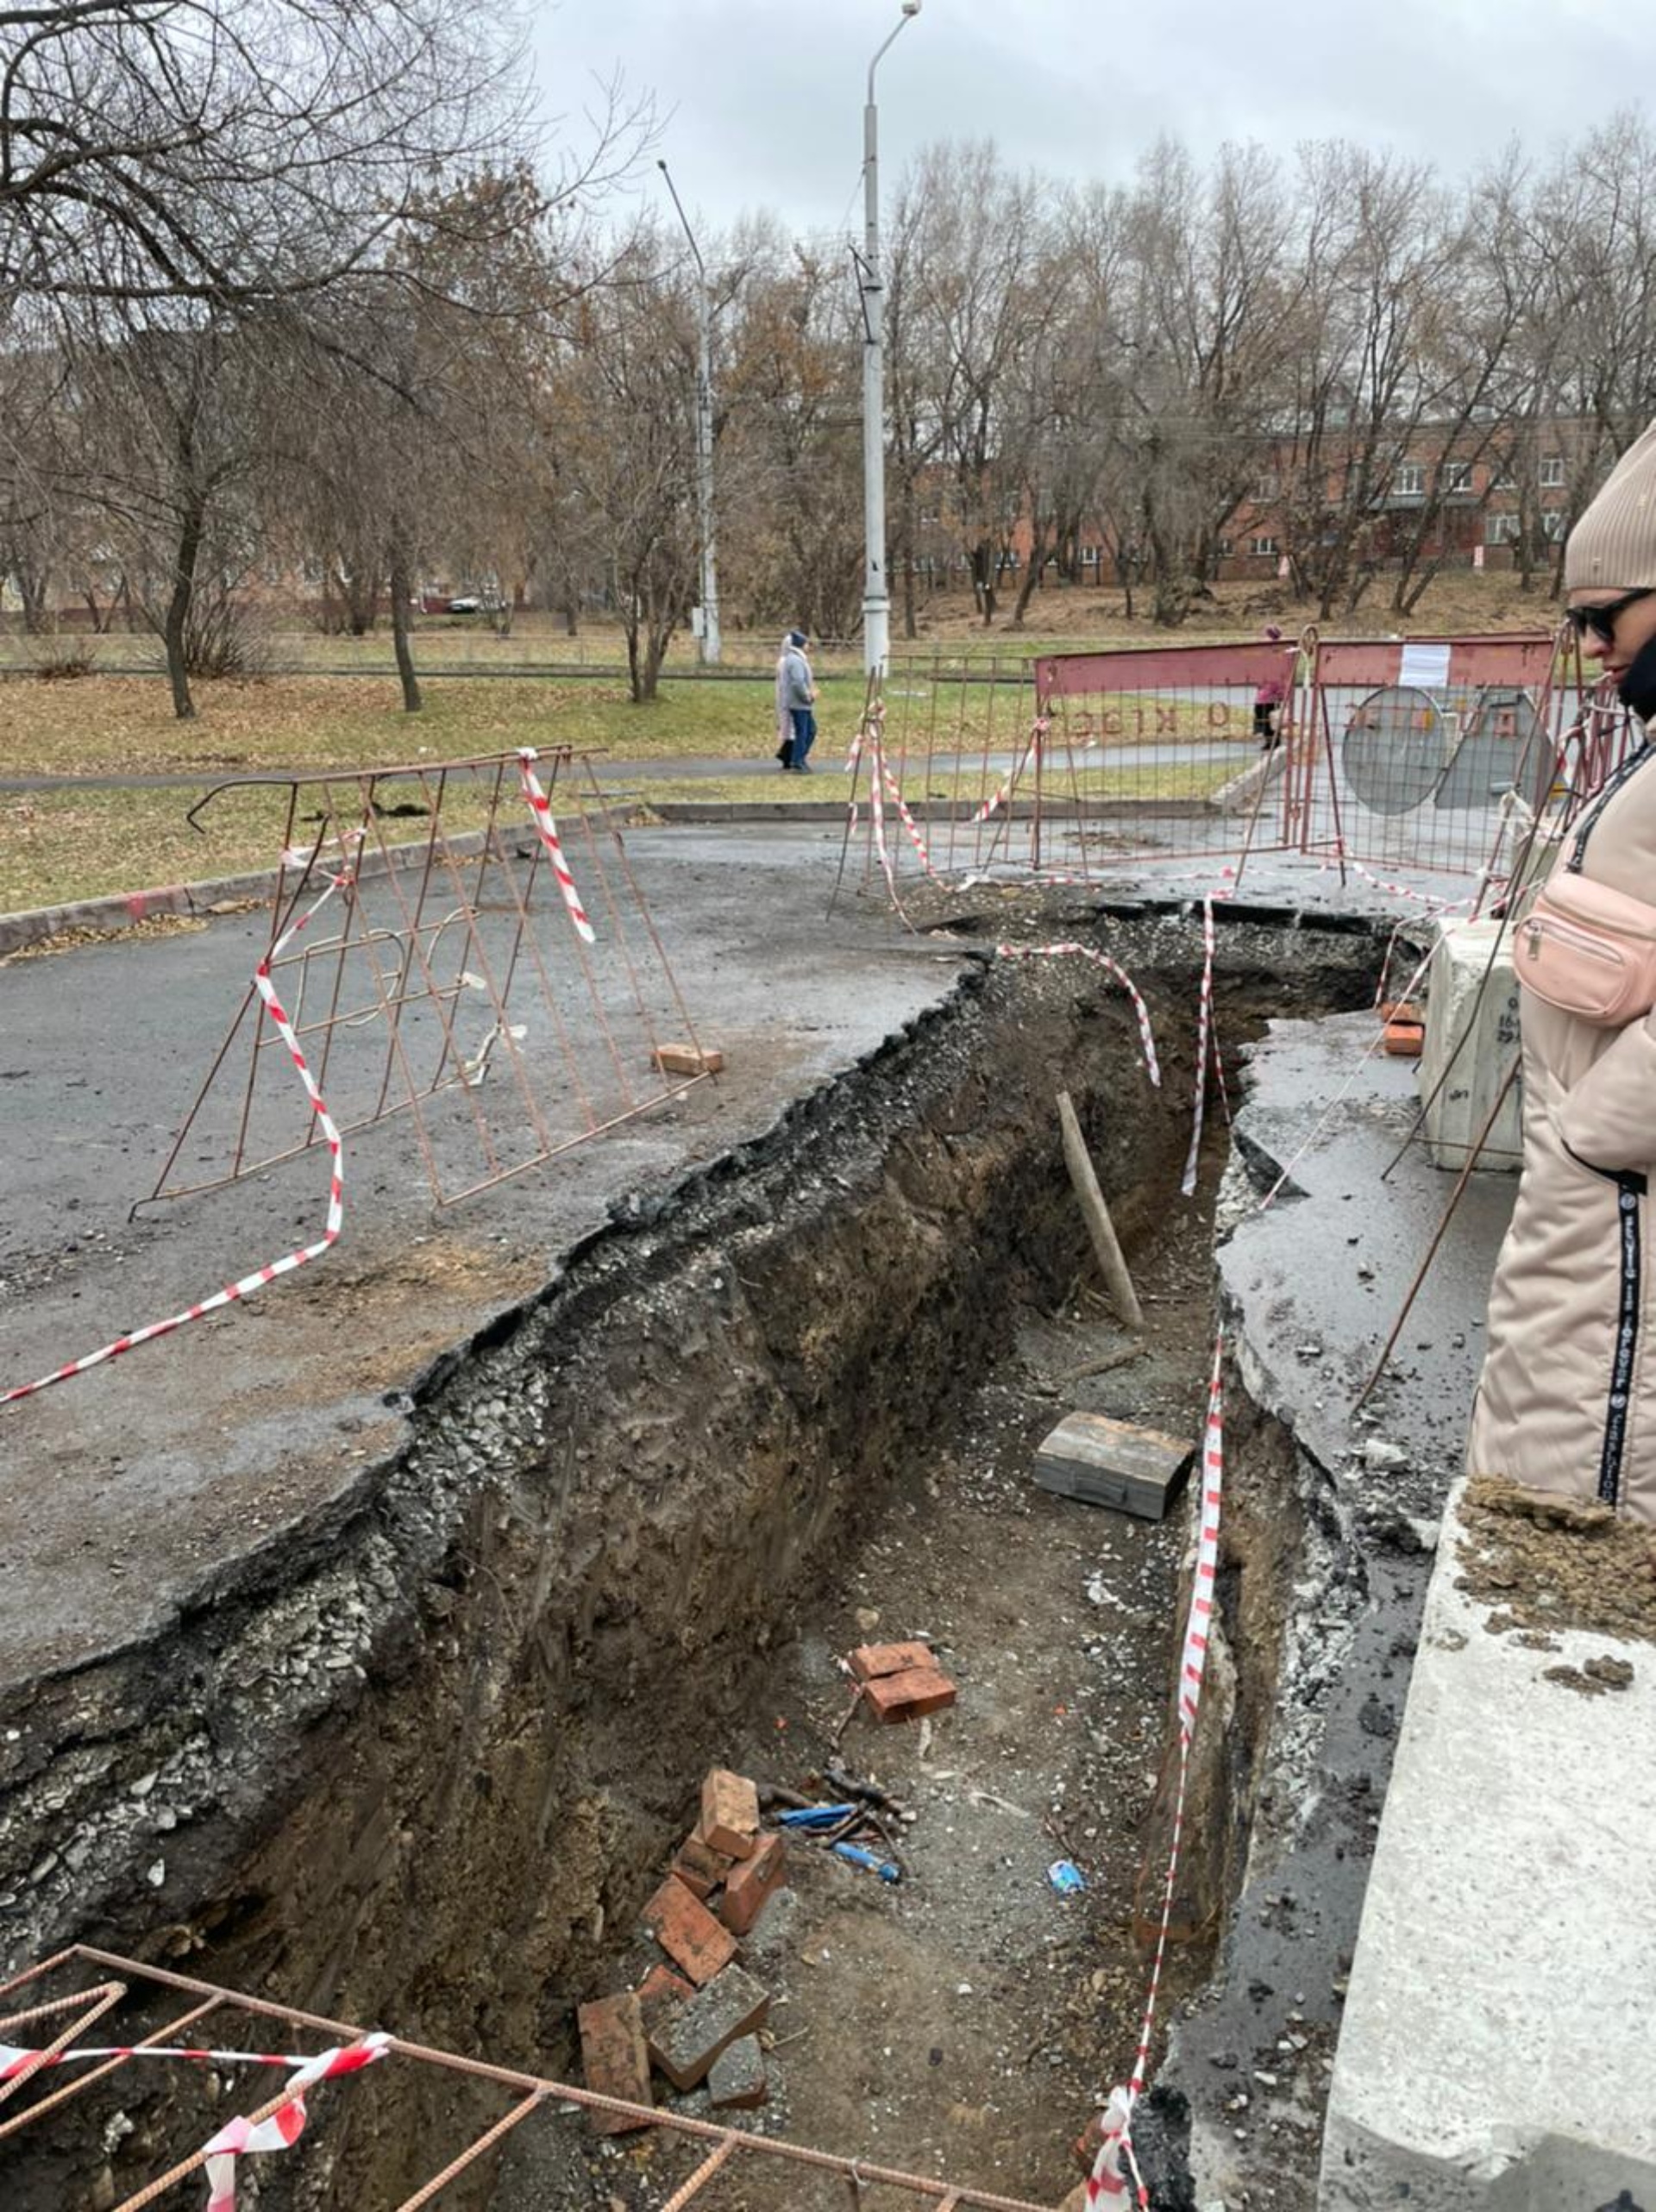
[687, 1060]
[700, 1868]
[1085, 2148]
[906, 1696]
[660, 1995]
[687, 1932]
[870, 1661]
[614, 2059]
[1404, 1040]
[661, 1983]
[730, 1814]
[753, 1884]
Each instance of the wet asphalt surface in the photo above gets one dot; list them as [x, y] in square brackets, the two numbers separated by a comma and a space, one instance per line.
[121, 1490]
[116, 1487]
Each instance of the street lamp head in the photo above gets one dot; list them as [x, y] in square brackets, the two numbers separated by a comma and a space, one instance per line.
[911, 7]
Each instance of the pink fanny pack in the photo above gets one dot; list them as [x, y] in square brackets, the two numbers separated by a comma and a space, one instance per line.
[1589, 950]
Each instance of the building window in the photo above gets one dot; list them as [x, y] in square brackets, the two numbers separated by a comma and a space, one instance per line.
[1552, 525]
[1089, 556]
[1226, 547]
[1267, 485]
[1501, 477]
[1264, 545]
[1408, 480]
[1457, 476]
[1502, 530]
[1551, 473]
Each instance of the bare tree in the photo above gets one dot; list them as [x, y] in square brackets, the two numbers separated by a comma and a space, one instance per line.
[232, 151]
[789, 473]
[620, 417]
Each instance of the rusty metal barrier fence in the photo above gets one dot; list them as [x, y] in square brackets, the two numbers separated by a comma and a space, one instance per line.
[458, 989]
[1417, 753]
[1434, 754]
[141, 2127]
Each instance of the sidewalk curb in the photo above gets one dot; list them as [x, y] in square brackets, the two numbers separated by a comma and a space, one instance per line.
[121, 910]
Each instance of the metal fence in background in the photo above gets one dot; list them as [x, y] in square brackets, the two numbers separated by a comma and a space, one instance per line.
[1435, 755]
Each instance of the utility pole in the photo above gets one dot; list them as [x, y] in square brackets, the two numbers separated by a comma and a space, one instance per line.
[710, 637]
[876, 594]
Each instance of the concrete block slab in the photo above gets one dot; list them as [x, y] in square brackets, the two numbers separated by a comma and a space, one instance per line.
[1471, 1041]
[1495, 2052]
[684, 2042]
[736, 2081]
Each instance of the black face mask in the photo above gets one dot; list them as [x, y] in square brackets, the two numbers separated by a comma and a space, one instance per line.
[1637, 688]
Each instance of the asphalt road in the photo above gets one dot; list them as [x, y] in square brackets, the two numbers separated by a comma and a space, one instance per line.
[120, 1491]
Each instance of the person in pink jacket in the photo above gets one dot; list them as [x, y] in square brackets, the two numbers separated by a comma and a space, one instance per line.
[1267, 700]
[1567, 1398]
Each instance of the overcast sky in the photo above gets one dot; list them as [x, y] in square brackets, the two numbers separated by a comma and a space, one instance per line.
[764, 102]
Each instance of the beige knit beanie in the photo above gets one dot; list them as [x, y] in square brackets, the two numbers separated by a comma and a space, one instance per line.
[1613, 547]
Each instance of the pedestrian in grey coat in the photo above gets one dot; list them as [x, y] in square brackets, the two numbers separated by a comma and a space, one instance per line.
[796, 695]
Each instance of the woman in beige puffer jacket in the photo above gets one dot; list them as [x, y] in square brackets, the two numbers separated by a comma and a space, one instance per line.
[1567, 1398]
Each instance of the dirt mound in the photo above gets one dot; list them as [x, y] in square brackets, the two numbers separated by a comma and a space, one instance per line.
[1554, 1562]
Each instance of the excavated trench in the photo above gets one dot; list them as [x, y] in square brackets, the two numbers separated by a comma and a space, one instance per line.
[425, 1769]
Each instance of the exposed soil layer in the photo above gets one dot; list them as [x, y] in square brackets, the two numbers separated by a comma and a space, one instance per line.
[422, 1765]
[1547, 1563]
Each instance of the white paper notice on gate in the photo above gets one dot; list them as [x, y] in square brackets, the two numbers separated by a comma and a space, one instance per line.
[1425, 667]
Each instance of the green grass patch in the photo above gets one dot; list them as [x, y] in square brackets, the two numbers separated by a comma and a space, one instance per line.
[73, 843]
[124, 725]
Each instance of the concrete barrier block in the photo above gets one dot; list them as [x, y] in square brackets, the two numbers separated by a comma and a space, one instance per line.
[1471, 1041]
[1495, 2052]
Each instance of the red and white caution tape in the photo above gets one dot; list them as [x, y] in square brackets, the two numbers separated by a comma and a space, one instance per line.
[1107, 2184]
[901, 804]
[1147, 1035]
[285, 2125]
[1206, 1046]
[1036, 740]
[540, 807]
[234, 1292]
[877, 811]
[1432, 899]
[15, 2059]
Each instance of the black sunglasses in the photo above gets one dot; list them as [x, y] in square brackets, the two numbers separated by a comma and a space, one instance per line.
[1602, 620]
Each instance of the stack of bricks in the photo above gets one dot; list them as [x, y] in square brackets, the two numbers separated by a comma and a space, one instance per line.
[699, 2019]
[901, 1682]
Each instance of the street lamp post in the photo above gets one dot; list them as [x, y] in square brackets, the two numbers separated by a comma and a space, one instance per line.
[710, 637]
[876, 596]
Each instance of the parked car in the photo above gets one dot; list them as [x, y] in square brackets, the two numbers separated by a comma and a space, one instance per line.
[466, 605]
